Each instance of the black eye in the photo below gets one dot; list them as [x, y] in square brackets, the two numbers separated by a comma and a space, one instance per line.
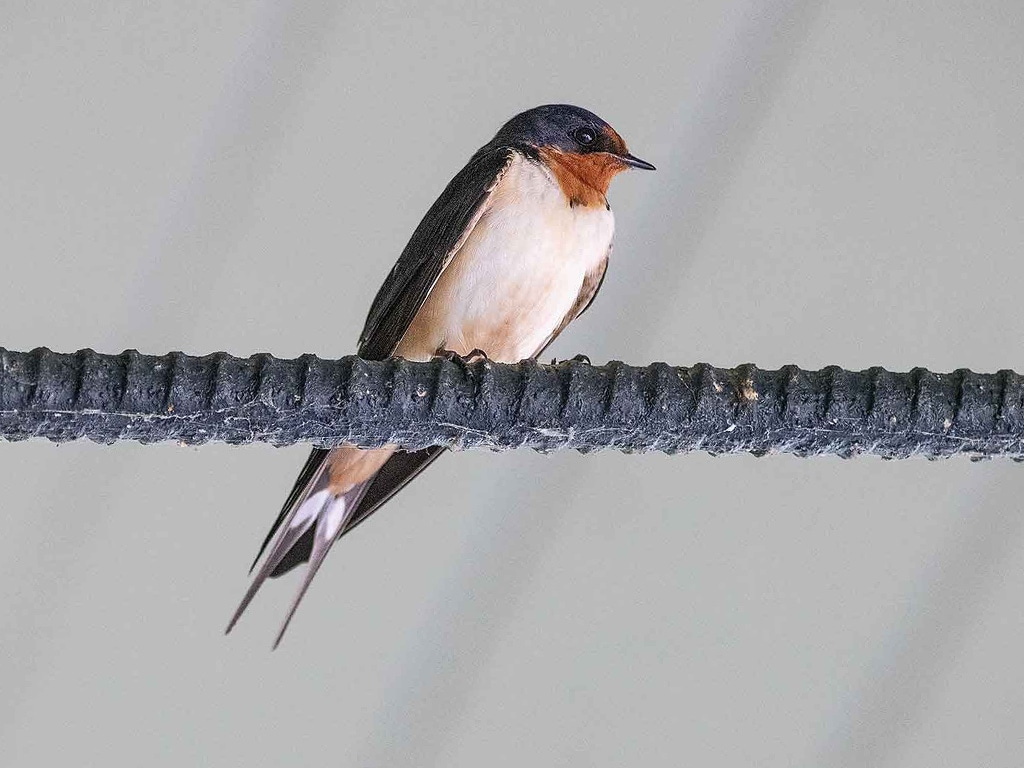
[584, 136]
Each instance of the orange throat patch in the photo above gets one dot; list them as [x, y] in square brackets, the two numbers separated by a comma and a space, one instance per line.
[583, 178]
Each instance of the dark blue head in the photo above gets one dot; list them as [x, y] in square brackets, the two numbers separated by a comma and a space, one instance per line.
[568, 129]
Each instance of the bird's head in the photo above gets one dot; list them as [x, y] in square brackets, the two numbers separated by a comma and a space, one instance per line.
[565, 128]
[572, 140]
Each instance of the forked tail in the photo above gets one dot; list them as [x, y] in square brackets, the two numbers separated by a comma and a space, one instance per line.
[320, 506]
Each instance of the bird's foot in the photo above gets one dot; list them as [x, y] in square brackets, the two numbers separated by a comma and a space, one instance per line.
[575, 359]
[454, 357]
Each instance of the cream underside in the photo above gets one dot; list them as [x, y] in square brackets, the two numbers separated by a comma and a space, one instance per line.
[517, 275]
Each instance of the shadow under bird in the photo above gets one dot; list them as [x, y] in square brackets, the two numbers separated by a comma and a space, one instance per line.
[514, 249]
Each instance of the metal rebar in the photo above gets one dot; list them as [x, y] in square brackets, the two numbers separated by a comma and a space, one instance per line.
[571, 404]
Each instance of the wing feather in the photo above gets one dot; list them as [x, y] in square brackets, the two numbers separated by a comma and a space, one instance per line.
[433, 245]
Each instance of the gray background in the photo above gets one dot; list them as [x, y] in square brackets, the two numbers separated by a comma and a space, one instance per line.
[838, 183]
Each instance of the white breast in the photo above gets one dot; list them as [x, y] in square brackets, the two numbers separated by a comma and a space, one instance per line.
[517, 275]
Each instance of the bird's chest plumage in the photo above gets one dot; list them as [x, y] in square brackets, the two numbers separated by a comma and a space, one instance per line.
[518, 274]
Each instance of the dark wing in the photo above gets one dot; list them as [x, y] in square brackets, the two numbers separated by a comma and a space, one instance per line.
[441, 233]
[430, 249]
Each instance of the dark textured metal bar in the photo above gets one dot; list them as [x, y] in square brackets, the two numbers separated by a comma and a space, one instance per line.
[569, 405]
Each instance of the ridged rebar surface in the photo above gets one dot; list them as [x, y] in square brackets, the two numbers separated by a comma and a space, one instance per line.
[569, 405]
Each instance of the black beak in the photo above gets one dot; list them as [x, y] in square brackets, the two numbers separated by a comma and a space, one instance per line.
[636, 162]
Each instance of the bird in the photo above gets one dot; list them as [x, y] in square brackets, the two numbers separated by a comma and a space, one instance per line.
[515, 248]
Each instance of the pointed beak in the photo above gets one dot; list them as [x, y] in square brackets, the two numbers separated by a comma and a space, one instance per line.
[636, 162]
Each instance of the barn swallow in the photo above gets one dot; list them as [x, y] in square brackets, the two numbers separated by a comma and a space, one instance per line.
[514, 249]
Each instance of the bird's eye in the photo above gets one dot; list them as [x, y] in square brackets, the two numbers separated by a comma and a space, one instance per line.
[584, 136]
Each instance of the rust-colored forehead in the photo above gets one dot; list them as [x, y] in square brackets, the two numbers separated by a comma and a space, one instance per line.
[617, 144]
